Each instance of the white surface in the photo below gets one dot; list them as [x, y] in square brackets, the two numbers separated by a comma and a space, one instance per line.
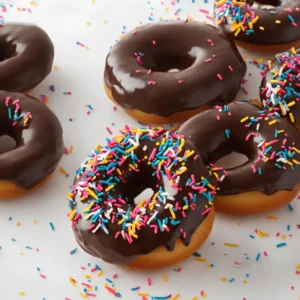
[81, 72]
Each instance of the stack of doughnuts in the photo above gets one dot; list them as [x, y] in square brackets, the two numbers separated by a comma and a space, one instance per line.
[147, 198]
[34, 133]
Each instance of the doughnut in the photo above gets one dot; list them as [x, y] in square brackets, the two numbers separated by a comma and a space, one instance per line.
[35, 145]
[26, 56]
[270, 25]
[167, 72]
[270, 177]
[280, 88]
[142, 201]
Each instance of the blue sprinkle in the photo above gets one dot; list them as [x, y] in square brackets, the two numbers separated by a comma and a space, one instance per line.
[281, 245]
[288, 227]
[231, 280]
[52, 226]
[290, 207]
[258, 256]
[252, 236]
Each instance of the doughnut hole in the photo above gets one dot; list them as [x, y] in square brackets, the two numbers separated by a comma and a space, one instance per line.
[7, 50]
[232, 160]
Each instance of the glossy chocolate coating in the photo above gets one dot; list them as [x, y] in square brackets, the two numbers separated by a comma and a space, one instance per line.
[208, 136]
[39, 146]
[26, 56]
[118, 250]
[273, 33]
[178, 45]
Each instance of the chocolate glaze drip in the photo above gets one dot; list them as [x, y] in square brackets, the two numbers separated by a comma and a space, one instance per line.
[39, 146]
[273, 34]
[208, 136]
[26, 56]
[119, 251]
[178, 45]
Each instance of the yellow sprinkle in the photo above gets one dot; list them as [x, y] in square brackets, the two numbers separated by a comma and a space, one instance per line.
[120, 222]
[292, 103]
[185, 207]
[100, 273]
[292, 117]
[278, 22]
[261, 28]
[296, 162]
[88, 23]
[237, 32]
[34, 221]
[176, 297]
[293, 50]
[245, 281]
[89, 207]
[272, 122]
[244, 119]
[21, 253]
[280, 131]
[22, 293]
[183, 169]
[71, 149]
[200, 259]
[130, 149]
[55, 68]
[143, 295]
[297, 267]
[109, 188]
[172, 212]
[33, 3]
[132, 166]
[272, 217]
[19, 223]
[165, 278]
[189, 153]
[91, 193]
[195, 298]
[119, 171]
[83, 295]
[223, 279]
[71, 281]
[105, 22]
[141, 203]
[231, 245]
[87, 276]
[297, 150]
[62, 171]
[284, 237]
[204, 296]
[262, 234]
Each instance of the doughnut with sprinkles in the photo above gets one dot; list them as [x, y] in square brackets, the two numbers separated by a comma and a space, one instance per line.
[143, 200]
[270, 25]
[270, 177]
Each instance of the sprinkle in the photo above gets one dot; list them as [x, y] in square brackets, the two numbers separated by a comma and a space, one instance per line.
[281, 245]
[149, 281]
[291, 208]
[22, 293]
[73, 251]
[64, 172]
[67, 93]
[231, 245]
[52, 226]
[220, 76]
[52, 88]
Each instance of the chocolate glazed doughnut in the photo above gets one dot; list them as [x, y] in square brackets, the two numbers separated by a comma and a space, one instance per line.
[270, 177]
[26, 56]
[38, 144]
[210, 71]
[165, 226]
[259, 27]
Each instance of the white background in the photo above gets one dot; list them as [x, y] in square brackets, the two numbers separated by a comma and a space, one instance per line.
[81, 72]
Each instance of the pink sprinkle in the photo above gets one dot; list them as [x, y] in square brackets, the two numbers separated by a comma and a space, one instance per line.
[151, 82]
[278, 234]
[93, 270]
[179, 269]
[230, 68]
[115, 276]
[139, 60]
[238, 264]
[149, 281]
[90, 295]
[292, 287]
[85, 284]
[204, 11]
[66, 151]
[115, 108]
[206, 211]
[112, 291]
[218, 118]
[137, 71]
[220, 77]
[180, 81]
[108, 130]
[154, 43]
[208, 60]
[209, 17]
[134, 33]
[265, 253]
[149, 71]
[43, 276]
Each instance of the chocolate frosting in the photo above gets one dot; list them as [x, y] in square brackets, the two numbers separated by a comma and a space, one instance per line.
[265, 31]
[39, 144]
[280, 87]
[118, 250]
[168, 45]
[213, 141]
[26, 56]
